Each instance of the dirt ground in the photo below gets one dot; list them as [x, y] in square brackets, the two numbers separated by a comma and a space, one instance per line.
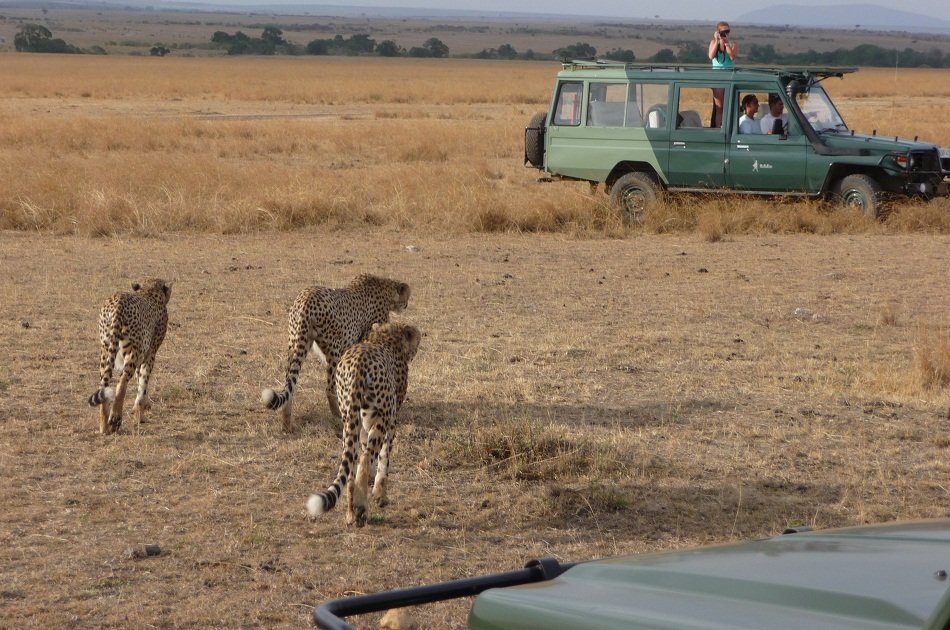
[571, 398]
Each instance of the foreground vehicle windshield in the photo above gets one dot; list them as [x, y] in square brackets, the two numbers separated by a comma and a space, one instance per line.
[819, 111]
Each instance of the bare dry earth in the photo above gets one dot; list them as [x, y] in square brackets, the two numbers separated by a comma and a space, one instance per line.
[572, 398]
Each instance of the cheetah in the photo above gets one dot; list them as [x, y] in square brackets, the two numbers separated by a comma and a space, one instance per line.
[371, 381]
[330, 321]
[132, 327]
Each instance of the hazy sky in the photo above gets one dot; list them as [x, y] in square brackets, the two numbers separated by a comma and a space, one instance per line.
[668, 9]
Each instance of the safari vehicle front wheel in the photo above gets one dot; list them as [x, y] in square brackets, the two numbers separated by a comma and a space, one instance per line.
[634, 194]
[863, 192]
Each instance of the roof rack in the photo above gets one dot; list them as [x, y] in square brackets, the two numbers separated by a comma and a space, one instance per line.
[603, 64]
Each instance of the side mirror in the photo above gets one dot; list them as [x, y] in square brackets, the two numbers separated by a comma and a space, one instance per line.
[794, 87]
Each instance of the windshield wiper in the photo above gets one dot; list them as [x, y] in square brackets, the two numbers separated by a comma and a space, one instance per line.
[835, 129]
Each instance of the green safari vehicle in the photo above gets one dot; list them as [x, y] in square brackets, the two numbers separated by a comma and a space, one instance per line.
[870, 577]
[644, 130]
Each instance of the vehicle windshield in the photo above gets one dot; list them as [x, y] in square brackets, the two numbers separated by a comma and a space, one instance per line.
[819, 111]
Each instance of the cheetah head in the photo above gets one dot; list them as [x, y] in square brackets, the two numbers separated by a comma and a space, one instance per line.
[401, 301]
[154, 286]
[405, 337]
[397, 293]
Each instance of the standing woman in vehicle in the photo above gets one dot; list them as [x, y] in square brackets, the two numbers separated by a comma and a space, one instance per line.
[723, 54]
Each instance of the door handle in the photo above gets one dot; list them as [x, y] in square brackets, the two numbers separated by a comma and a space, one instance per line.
[679, 144]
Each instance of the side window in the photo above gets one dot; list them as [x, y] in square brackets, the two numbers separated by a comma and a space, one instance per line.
[647, 106]
[695, 107]
[606, 104]
[567, 108]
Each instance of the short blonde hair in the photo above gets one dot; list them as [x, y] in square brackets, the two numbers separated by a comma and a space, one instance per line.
[721, 24]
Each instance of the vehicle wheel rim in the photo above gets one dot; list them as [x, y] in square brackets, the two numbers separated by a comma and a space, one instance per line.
[633, 201]
[855, 199]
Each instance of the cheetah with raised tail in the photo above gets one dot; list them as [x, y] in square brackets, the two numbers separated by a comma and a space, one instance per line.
[330, 321]
[371, 381]
[132, 326]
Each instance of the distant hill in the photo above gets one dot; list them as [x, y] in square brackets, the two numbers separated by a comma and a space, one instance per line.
[863, 16]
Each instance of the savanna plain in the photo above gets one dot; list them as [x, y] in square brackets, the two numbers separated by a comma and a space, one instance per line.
[584, 388]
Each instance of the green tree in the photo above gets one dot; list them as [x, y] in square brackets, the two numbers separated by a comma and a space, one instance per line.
[664, 55]
[361, 43]
[507, 51]
[691, 52]
[580, 50]
[38, 38]
[318, 47]
[418, 51]
[388, 48]
[273, 36]
[618, 54]
[30, 37]
[436, 47]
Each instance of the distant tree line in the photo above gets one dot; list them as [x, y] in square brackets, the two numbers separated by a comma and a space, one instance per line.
[867, 55]
[37, 38]
[272, 42]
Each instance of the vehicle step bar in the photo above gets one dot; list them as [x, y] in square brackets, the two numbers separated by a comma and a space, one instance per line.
[329, 616]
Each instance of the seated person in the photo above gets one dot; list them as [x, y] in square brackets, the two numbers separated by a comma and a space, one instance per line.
[747, 122]
[776, 112]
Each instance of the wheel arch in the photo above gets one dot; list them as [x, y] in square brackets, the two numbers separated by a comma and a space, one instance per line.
[837, 172]
[633, 166]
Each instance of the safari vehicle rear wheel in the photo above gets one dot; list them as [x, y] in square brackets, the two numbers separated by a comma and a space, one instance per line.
[534, 140]
[634, 194]
[863, 192]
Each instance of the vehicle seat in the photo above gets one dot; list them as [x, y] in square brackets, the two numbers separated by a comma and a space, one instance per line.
[634, 119]
[691, 118]
[605, 114]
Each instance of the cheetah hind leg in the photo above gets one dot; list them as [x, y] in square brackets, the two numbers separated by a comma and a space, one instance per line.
[359, 503]
[286, 417]
[104, 409]
[115, 414]
[380, 496]
[142, 401]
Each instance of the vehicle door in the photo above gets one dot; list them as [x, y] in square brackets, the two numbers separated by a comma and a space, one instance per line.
[561, 138]
[765, 162]
[697, 149]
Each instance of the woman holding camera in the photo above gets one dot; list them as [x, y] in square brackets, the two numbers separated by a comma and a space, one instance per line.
[723, 54]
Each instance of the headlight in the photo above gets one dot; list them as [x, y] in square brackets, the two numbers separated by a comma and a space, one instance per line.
[906, 161]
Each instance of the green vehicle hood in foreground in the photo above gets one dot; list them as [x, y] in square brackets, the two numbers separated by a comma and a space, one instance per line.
[888, 576]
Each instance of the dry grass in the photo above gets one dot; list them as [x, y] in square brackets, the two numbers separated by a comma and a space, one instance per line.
[932, 358]
[126, 145]
[664, 391]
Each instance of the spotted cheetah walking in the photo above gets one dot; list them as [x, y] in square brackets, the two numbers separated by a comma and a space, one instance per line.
[330, 321]
[371, 381]
[132, 327]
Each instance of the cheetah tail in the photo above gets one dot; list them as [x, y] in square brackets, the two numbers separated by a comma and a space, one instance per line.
[274, 401]
[101, 395]
[325, 501]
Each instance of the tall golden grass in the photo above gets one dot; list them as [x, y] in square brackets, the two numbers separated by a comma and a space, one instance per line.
[132, 145]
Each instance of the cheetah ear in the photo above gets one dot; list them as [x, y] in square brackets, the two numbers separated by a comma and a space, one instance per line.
[167, 289]
[136, 286]
[403, 290]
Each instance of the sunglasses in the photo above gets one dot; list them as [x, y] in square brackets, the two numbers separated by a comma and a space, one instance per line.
[725, 32]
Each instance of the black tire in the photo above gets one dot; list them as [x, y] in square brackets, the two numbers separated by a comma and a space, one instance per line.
[634, 194]
[861, 191]
[534, 140]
